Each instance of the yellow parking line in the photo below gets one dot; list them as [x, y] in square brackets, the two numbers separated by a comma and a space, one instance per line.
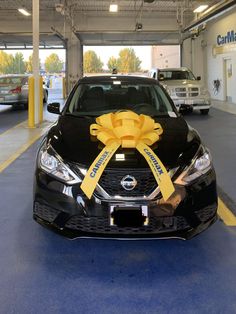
[21, 150]
[14, 127]
[225, 214]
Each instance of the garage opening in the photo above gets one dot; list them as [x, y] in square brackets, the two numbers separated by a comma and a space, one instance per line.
[129, 59]
[52, 67]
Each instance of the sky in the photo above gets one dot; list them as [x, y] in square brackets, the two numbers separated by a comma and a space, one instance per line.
[104, 52]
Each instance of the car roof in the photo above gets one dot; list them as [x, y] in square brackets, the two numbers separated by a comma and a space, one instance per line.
[175, 69]
[123, 78]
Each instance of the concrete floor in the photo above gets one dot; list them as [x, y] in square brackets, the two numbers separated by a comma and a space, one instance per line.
[42, 272]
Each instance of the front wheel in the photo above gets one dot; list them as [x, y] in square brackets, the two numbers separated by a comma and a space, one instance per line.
[25, 106]
[45, 99]
[204, 111]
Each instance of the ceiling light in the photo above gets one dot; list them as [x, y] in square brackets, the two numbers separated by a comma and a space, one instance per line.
[24, 12]
[113, 7]
[201, 8]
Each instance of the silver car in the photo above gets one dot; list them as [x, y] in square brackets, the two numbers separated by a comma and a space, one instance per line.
[14, 90]
[186, 91]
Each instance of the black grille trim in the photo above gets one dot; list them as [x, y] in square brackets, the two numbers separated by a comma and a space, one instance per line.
[101, 225]
[44, 212]
[110, 182]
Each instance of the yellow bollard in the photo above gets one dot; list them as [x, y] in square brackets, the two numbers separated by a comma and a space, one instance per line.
[40, 99]
[31, 121]
[64, 87]
[50, 84]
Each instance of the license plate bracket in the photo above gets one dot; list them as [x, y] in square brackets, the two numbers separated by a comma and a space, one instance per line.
[129, 216]
[189, 102]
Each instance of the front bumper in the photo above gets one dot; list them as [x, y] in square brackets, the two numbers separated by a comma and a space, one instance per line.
[192, 103]
[12, 99]
[66, 210]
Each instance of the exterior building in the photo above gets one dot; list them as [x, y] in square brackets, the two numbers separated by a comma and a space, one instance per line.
[165, 56]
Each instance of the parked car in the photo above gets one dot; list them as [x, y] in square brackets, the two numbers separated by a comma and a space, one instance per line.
[14, 90]
[186, 91]
[127, 201]
[46, 81]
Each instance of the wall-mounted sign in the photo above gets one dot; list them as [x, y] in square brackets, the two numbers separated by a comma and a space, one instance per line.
[216, 50]
[230, 37]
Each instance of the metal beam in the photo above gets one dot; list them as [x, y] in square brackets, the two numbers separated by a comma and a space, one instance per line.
[35, 4]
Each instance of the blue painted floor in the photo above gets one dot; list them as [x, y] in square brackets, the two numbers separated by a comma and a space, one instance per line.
[42, 272]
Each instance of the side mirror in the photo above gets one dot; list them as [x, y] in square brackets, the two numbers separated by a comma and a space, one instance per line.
[199, 78]
[54, 108]
[161, 77]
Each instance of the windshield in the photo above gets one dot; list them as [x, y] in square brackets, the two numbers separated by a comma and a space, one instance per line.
[176, 75]
[97, 99]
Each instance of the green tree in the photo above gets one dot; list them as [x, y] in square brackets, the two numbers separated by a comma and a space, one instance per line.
[29, 64]
[128, 61]
[6, 63]
[92, 63]
[18, 64]
[53, 64]
[112, 63]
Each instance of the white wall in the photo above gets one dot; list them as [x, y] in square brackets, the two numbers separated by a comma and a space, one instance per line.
[215, 65]
[194, 56]
[202, 61]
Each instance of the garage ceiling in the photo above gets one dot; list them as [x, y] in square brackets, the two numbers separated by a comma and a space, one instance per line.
[92, 22]
[126, 7]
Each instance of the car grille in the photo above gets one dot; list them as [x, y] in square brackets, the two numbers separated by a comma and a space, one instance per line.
[47, 213]
[110, 181]
[100, 225]
[205, 213]
[185, 92]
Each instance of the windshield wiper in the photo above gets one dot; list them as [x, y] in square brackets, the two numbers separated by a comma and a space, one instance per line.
[80, 115]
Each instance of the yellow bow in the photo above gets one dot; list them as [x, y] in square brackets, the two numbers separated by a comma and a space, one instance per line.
[128, 130]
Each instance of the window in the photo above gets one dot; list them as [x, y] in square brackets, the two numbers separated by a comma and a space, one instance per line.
[97, 99]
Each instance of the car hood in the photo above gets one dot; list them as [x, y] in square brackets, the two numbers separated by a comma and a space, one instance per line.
[175, 83]
[71, 139]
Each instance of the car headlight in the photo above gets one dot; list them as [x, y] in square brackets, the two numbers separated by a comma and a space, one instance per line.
[199, 166]
[170, 91]
[51, 162]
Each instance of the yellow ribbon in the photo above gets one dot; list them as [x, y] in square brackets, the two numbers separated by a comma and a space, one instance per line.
[128, 130]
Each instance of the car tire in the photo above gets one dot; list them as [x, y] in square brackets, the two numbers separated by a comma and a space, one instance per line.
[204, 111]
[25, 106]
[45, 100]
[186, 111]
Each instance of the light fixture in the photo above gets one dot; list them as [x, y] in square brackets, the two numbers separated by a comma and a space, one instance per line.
[24, 12]
[201, 8]
[113, 7]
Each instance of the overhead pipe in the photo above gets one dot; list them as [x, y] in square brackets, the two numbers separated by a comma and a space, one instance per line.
[213, 14]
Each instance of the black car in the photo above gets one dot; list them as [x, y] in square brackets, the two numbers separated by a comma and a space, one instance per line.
[127, 201]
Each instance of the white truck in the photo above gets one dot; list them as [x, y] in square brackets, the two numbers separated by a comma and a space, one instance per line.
[186, 91]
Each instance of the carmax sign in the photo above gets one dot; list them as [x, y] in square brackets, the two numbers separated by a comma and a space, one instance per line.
[230, 37]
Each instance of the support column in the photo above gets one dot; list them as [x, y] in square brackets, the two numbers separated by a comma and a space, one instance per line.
[35, 5]
[74, 61]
